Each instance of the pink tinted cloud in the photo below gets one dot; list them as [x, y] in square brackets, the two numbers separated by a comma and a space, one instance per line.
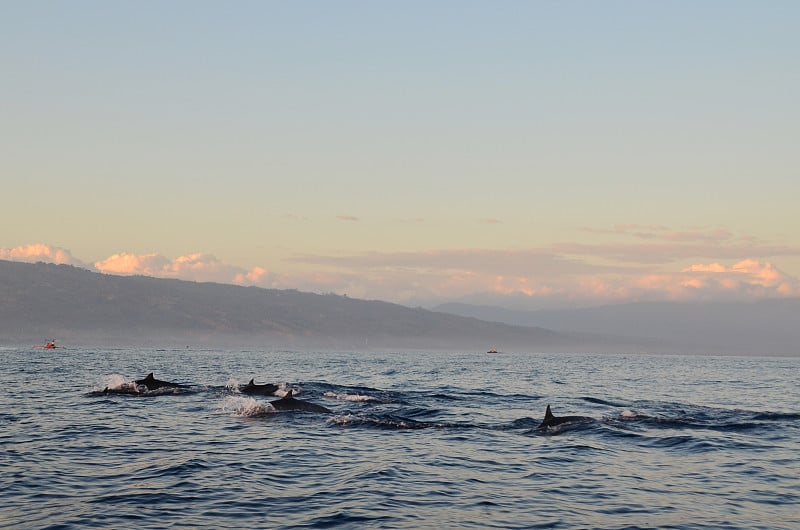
[670, 252]
[345, 217]
[40, 252]
[745, 279]
[256, 276]
[538, 276]
[130, 264]
[193, 267]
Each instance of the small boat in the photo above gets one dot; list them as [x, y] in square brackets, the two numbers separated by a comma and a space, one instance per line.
[492, 350]
[50, 345]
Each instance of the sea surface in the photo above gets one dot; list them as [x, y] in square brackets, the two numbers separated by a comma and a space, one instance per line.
[414, 440]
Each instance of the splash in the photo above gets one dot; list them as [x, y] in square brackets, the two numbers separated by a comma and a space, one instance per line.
[118, 384]
[629, 414]
[349, 397]
[232, 386]
[373, 421]
[246, 406]
[113, 381]
[284, 388]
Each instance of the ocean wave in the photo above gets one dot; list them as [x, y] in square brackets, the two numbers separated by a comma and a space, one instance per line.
[433, 446]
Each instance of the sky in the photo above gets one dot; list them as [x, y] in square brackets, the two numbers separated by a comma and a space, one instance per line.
[528, 154]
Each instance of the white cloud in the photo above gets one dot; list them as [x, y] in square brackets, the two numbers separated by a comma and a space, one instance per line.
[40, 252]
[542, 277]
[129, 264]
[194, 267]
[746, 278]
[256, 276]
[446, 276]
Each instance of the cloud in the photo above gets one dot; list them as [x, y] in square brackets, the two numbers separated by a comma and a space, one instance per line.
[538, 278]
[747, 278]
[661, 232]
[634, 244]
[194, 267]
[255, 276]
[565, 274]
[41, 252]
[130, 264]
[344, 217]
[667, 253]
[519, 262]
[651, 262]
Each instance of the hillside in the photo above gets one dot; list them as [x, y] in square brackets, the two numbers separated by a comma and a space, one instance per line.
[39, 301]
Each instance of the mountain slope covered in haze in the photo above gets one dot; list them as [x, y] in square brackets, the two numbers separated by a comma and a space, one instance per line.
[43, 300]
[39, 301]
[763, 327]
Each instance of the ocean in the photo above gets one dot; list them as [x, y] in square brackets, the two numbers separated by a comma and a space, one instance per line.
[413, 440]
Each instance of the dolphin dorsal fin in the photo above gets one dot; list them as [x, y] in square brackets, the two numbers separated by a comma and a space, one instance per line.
[288, 394]
[547, 414]
[251, 382]
[149, 377]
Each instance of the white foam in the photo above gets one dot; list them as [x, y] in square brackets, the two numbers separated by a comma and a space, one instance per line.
[284, 388]
[632, 415]
[232, 385]
[343, 419]
[114, 381]
[349, 397]
[246, 406]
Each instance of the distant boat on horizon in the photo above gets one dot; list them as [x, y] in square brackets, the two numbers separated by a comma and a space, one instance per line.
[492, 350]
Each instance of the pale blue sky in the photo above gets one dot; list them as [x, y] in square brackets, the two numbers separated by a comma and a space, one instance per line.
[410, 150]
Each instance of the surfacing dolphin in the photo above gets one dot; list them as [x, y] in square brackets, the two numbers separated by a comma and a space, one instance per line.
[266, 389]
[154, 384]
[289, 402]
[553, 421]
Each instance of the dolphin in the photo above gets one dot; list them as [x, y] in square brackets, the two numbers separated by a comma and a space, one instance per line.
[289, 402]
[266, 389]
[153, 384]
[554, 421]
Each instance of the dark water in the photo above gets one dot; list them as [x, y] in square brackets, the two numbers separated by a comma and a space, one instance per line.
[415, 440]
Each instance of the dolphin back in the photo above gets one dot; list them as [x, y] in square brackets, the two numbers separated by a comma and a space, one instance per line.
[289, 402]
[152, 383]
[551, 421]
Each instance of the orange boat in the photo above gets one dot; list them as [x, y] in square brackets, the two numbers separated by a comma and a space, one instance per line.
[50, 345]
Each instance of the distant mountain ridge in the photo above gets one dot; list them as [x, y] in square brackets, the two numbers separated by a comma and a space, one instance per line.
[41, 300]
[760, 327]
